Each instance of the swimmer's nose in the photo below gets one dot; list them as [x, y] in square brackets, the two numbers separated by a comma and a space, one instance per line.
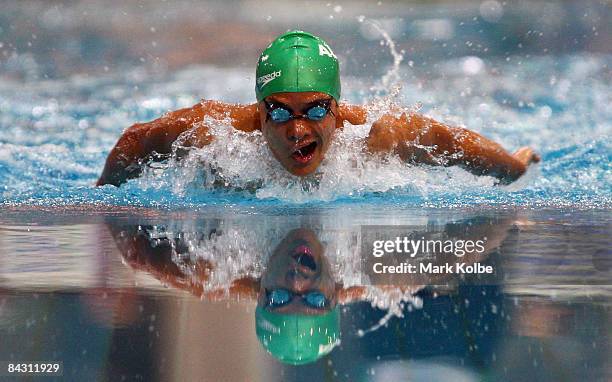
[297, 131]
[298, 282]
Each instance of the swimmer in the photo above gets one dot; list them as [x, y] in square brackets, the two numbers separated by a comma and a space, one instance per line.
[298, 111]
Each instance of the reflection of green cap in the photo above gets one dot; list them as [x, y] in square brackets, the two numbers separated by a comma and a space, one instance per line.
[297, 62]
[298, 339]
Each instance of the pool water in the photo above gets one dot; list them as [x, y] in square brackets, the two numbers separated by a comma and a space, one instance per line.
[73, 289]
[56, 135]
[138, 282]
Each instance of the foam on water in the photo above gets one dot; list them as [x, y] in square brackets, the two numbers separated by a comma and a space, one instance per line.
[242, 161]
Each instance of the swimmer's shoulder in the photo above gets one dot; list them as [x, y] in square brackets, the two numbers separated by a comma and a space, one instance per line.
[242, 117]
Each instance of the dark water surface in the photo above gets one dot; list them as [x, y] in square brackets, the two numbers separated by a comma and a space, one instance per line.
[111, 295]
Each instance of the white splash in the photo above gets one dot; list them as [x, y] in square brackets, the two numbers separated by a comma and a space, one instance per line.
[242, 161]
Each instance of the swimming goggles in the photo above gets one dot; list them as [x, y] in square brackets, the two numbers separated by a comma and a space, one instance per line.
[279, 297]
[279, 114]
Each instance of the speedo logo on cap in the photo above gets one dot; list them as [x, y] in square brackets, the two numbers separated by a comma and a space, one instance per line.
[264, 80]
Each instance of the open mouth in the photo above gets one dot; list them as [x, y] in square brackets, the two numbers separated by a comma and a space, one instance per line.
[303, 256]
[305, 153]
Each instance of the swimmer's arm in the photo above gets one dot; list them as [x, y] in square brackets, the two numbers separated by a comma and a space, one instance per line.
[140, 141]
[423, 140]
[138, 251]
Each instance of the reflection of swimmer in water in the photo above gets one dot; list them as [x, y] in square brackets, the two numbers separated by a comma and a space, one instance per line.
[297, 317]
[298, 296]
[298, 112]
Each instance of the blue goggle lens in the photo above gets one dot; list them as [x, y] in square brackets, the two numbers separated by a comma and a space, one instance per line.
[280, 115]
[315, 299]
[316, 113]
[279, 297]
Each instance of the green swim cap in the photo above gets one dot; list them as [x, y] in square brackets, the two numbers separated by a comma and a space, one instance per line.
[298, 339]
[297, 62]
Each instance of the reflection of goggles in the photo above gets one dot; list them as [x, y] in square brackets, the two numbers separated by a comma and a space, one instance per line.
[279, 297]
[317, 112]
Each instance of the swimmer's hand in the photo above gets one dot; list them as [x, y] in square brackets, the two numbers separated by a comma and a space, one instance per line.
[353, 114]
[526, 156]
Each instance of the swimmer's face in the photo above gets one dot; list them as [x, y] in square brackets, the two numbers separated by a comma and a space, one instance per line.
[298, 265]
[299, 144]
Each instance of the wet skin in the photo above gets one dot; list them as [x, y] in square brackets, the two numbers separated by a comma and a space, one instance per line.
[299, 265]
[299, 144]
